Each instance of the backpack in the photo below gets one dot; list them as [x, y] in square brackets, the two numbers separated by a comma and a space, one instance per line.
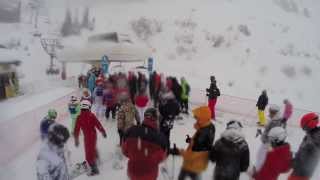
[99, 91]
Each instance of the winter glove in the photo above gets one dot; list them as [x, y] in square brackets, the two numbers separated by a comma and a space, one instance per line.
[188, 139]
[104, 135]
[76, 142]
[251, 171]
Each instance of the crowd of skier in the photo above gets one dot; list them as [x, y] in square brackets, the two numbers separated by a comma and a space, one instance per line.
[145, 110]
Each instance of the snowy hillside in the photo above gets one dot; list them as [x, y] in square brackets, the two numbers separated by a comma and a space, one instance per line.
[248, 45]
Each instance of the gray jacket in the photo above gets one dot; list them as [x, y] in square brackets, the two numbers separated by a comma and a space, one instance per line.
[274, 122]
[51, 163]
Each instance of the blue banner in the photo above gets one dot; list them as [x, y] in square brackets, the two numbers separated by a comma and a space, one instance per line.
[150, 64]
[105, 64]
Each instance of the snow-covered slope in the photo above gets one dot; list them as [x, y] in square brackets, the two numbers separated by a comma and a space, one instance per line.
[248, 45]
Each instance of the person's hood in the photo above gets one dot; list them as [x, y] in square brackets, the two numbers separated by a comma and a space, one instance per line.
[202, 114]
[233, 135]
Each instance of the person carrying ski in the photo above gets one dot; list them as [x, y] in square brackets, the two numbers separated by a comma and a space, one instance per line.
[213, 93]
[145, 158]
[196, 156]
[141, 102]
[278, 159]
[185, 90]
[261, 104]
[128, 115]
[230, 153]
[51, 163]
[47, 122]
[88, 123]
[287, 113]
[307, 158]
[74, 110]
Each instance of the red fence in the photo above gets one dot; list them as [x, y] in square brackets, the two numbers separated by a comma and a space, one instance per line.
[242, 107]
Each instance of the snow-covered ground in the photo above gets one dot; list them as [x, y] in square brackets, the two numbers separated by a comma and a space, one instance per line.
[23, 167]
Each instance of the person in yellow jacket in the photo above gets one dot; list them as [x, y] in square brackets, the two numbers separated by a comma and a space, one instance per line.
[195, 157]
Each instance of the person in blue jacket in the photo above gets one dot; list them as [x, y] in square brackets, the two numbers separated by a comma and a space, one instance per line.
[91, 82]
[46, 122]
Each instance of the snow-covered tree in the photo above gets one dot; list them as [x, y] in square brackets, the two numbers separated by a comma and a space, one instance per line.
[85, 20]
[67, 26]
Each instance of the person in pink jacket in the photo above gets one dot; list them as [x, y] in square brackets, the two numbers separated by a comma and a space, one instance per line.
[287, 113]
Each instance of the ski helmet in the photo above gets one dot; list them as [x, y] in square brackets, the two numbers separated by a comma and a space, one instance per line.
[234, 124]
[277, 135]
[309, 121]
[274, 109]
[151, 113]
[52, 114]
[85, 104]
[58, 134]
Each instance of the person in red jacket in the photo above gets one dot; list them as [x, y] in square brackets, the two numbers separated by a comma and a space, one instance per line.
[141, 102]
[279, 157]
[88, 123]
[145, 158]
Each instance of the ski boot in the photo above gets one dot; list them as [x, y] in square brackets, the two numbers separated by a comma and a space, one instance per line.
[93, 170]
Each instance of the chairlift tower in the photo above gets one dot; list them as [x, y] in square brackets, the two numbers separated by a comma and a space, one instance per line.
[49, 46]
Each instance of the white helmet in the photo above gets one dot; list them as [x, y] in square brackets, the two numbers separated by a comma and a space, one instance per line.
[274, 108]
[277, 134]
[85, 104]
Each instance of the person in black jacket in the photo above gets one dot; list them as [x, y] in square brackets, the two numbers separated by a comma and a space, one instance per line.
[230, 153]
[261, 104]
[169, 109]
[213, 92]
[308, 155]
[196, 156]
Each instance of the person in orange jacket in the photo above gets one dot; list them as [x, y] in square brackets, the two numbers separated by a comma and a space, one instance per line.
[196, 156]
[88, 123]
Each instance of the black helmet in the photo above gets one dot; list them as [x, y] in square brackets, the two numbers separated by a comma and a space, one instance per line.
[151, 112]
[58, 134]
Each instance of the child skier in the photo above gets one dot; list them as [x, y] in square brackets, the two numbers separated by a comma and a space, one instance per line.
[46, 123]
[74, 110]
[230, 153]
[307, 157]
[275, 121]
[278, 158]
[51, 163]
[196, 156]
[88, 123]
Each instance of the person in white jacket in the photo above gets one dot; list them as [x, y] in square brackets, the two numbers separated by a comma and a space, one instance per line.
[51, 163]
